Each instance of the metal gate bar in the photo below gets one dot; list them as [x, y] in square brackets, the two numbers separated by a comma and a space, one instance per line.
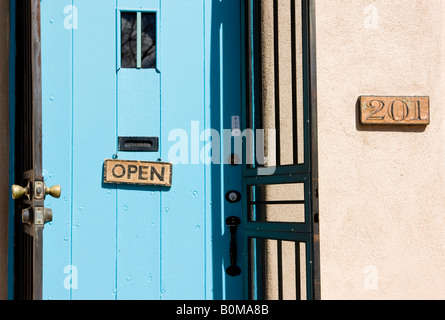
[297, 271]
[293, 26]
[277, 83]
[280, 269]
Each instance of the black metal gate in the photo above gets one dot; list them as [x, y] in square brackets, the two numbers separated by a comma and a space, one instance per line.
[281, 241]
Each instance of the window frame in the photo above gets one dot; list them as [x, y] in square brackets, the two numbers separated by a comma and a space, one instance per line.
[119, 12]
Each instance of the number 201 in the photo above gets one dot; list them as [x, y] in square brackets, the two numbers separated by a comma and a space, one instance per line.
[379, 106]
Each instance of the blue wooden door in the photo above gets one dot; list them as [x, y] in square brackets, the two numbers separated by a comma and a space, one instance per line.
[166, 69]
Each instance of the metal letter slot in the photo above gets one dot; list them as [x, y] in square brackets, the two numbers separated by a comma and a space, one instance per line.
[140, 144]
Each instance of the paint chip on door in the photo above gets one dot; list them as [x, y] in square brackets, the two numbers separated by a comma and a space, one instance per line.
[138, 173]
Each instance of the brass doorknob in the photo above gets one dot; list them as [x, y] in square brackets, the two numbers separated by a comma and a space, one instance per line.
[19, 192]
[54, 191]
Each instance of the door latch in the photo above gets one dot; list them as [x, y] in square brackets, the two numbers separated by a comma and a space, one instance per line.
[39, 217]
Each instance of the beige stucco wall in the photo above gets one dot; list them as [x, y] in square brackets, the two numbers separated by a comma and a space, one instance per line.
[381, 191]
[4, 144]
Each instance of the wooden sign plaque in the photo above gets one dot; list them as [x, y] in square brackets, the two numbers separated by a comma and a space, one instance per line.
[395, 110]
[138, 173]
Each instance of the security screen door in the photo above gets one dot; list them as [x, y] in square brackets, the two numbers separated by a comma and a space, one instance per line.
[141, 80]
[280, 185]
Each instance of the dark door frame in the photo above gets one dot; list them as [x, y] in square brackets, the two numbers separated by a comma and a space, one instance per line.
[27, 158]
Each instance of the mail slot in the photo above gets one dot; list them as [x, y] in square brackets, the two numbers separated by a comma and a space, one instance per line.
[141, 144]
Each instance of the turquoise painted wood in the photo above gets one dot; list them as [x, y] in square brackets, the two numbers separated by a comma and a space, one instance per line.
[132, 242]
[57, 107]
[138, 209]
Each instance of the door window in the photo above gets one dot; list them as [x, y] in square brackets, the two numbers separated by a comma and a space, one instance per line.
[138, 40]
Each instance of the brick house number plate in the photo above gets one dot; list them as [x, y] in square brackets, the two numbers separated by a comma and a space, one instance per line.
[395, 110]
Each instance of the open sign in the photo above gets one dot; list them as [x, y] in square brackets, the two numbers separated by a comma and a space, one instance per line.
[138, 173]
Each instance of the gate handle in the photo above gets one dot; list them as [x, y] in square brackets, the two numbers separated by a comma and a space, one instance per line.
[233, 223]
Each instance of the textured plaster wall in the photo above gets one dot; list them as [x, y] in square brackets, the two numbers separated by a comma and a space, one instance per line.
[381, 190]
[4, 144]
